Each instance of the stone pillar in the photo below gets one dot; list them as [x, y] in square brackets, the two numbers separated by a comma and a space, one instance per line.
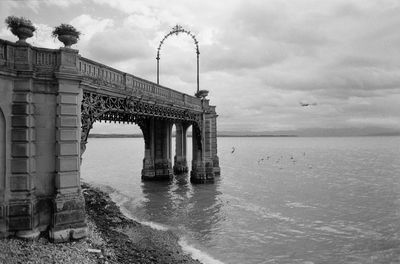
[157, 162]
[69, 219]
[180, 162]
[22, 214]
[148, 171]
[211, 131]
[205, 164]
[3, 228]
[198, 173]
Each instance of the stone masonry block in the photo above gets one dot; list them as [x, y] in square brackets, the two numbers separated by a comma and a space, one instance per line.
[21, 109]
[22, 97]
[23, 165]
[21, 134]
[19, 182]
[68, 134]
[65, 109]
[19, 209]
[69, 217]
[20, 165]
[67, 99]
[22, 121]
[67, 163]
[67, 179]
[68, 86]
[20, 149]
[70, 148]
[19, 223]
[67, 121]
[23, 85]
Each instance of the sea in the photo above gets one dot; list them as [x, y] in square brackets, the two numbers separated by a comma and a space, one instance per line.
[278, 200]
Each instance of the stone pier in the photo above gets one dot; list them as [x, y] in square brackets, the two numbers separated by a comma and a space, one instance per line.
[49, 100]
[180, 161]
[157, 161]
[205, 163]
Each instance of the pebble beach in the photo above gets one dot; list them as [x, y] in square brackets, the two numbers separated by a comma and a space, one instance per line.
[112, 238]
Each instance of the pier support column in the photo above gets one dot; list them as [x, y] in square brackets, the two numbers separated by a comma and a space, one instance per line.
[180, 162]
[211, 133]
[157, 161]
[205, 164]
[198, 173]
[3, 155]
[22, 213]
[69, 219]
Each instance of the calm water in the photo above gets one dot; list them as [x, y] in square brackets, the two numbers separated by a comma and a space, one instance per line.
[278, 200]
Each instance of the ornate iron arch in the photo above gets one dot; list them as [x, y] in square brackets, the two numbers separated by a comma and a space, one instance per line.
[176, 30]
[99, 107]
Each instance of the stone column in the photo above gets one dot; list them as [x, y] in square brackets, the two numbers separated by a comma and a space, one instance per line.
[22, 214]
[198, 173]
[69, 219]
[3, 154]
[211, 131]
[205, 164]
[180, 162]
[158, 151]
[147, 126]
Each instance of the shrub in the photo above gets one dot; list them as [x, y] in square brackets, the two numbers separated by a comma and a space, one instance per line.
[14, 22]
[65, 29]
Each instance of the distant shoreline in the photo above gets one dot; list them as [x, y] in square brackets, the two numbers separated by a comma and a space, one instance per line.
[140, 136]
[249, 136]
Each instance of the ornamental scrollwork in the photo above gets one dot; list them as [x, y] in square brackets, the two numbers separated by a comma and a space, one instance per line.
[177, 30]
[98, 107]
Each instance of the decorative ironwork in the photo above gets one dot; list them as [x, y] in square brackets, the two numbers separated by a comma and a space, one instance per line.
[98, 107]
[176, 30]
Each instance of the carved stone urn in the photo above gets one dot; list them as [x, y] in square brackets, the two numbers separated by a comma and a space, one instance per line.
[68, 40]
[67, 34]
[201, 94]
[22, 33]
[20, 27]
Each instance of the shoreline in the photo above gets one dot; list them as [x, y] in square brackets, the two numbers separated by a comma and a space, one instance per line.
[112, 238]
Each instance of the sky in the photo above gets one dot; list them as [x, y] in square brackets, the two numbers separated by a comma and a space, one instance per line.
[263, 61]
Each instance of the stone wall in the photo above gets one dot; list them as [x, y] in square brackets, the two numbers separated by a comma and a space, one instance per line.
[40, 126]
[5, 147]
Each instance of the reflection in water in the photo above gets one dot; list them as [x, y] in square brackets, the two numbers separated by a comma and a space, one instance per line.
[344, 209]
[181, 205]
[206, 210]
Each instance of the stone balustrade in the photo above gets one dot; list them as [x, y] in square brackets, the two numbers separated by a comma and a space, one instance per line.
[44, 61]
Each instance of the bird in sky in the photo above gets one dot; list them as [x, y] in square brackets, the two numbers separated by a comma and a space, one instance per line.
[303, 104]
[233, 149]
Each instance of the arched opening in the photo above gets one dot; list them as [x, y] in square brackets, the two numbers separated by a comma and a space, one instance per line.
[2, 153]
[155, 123]
[113, 155]
[180, 149]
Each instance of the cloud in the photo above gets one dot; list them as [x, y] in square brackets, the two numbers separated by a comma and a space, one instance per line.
[259, 59]
[131, 44]
[90, 26]
[62, 3]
